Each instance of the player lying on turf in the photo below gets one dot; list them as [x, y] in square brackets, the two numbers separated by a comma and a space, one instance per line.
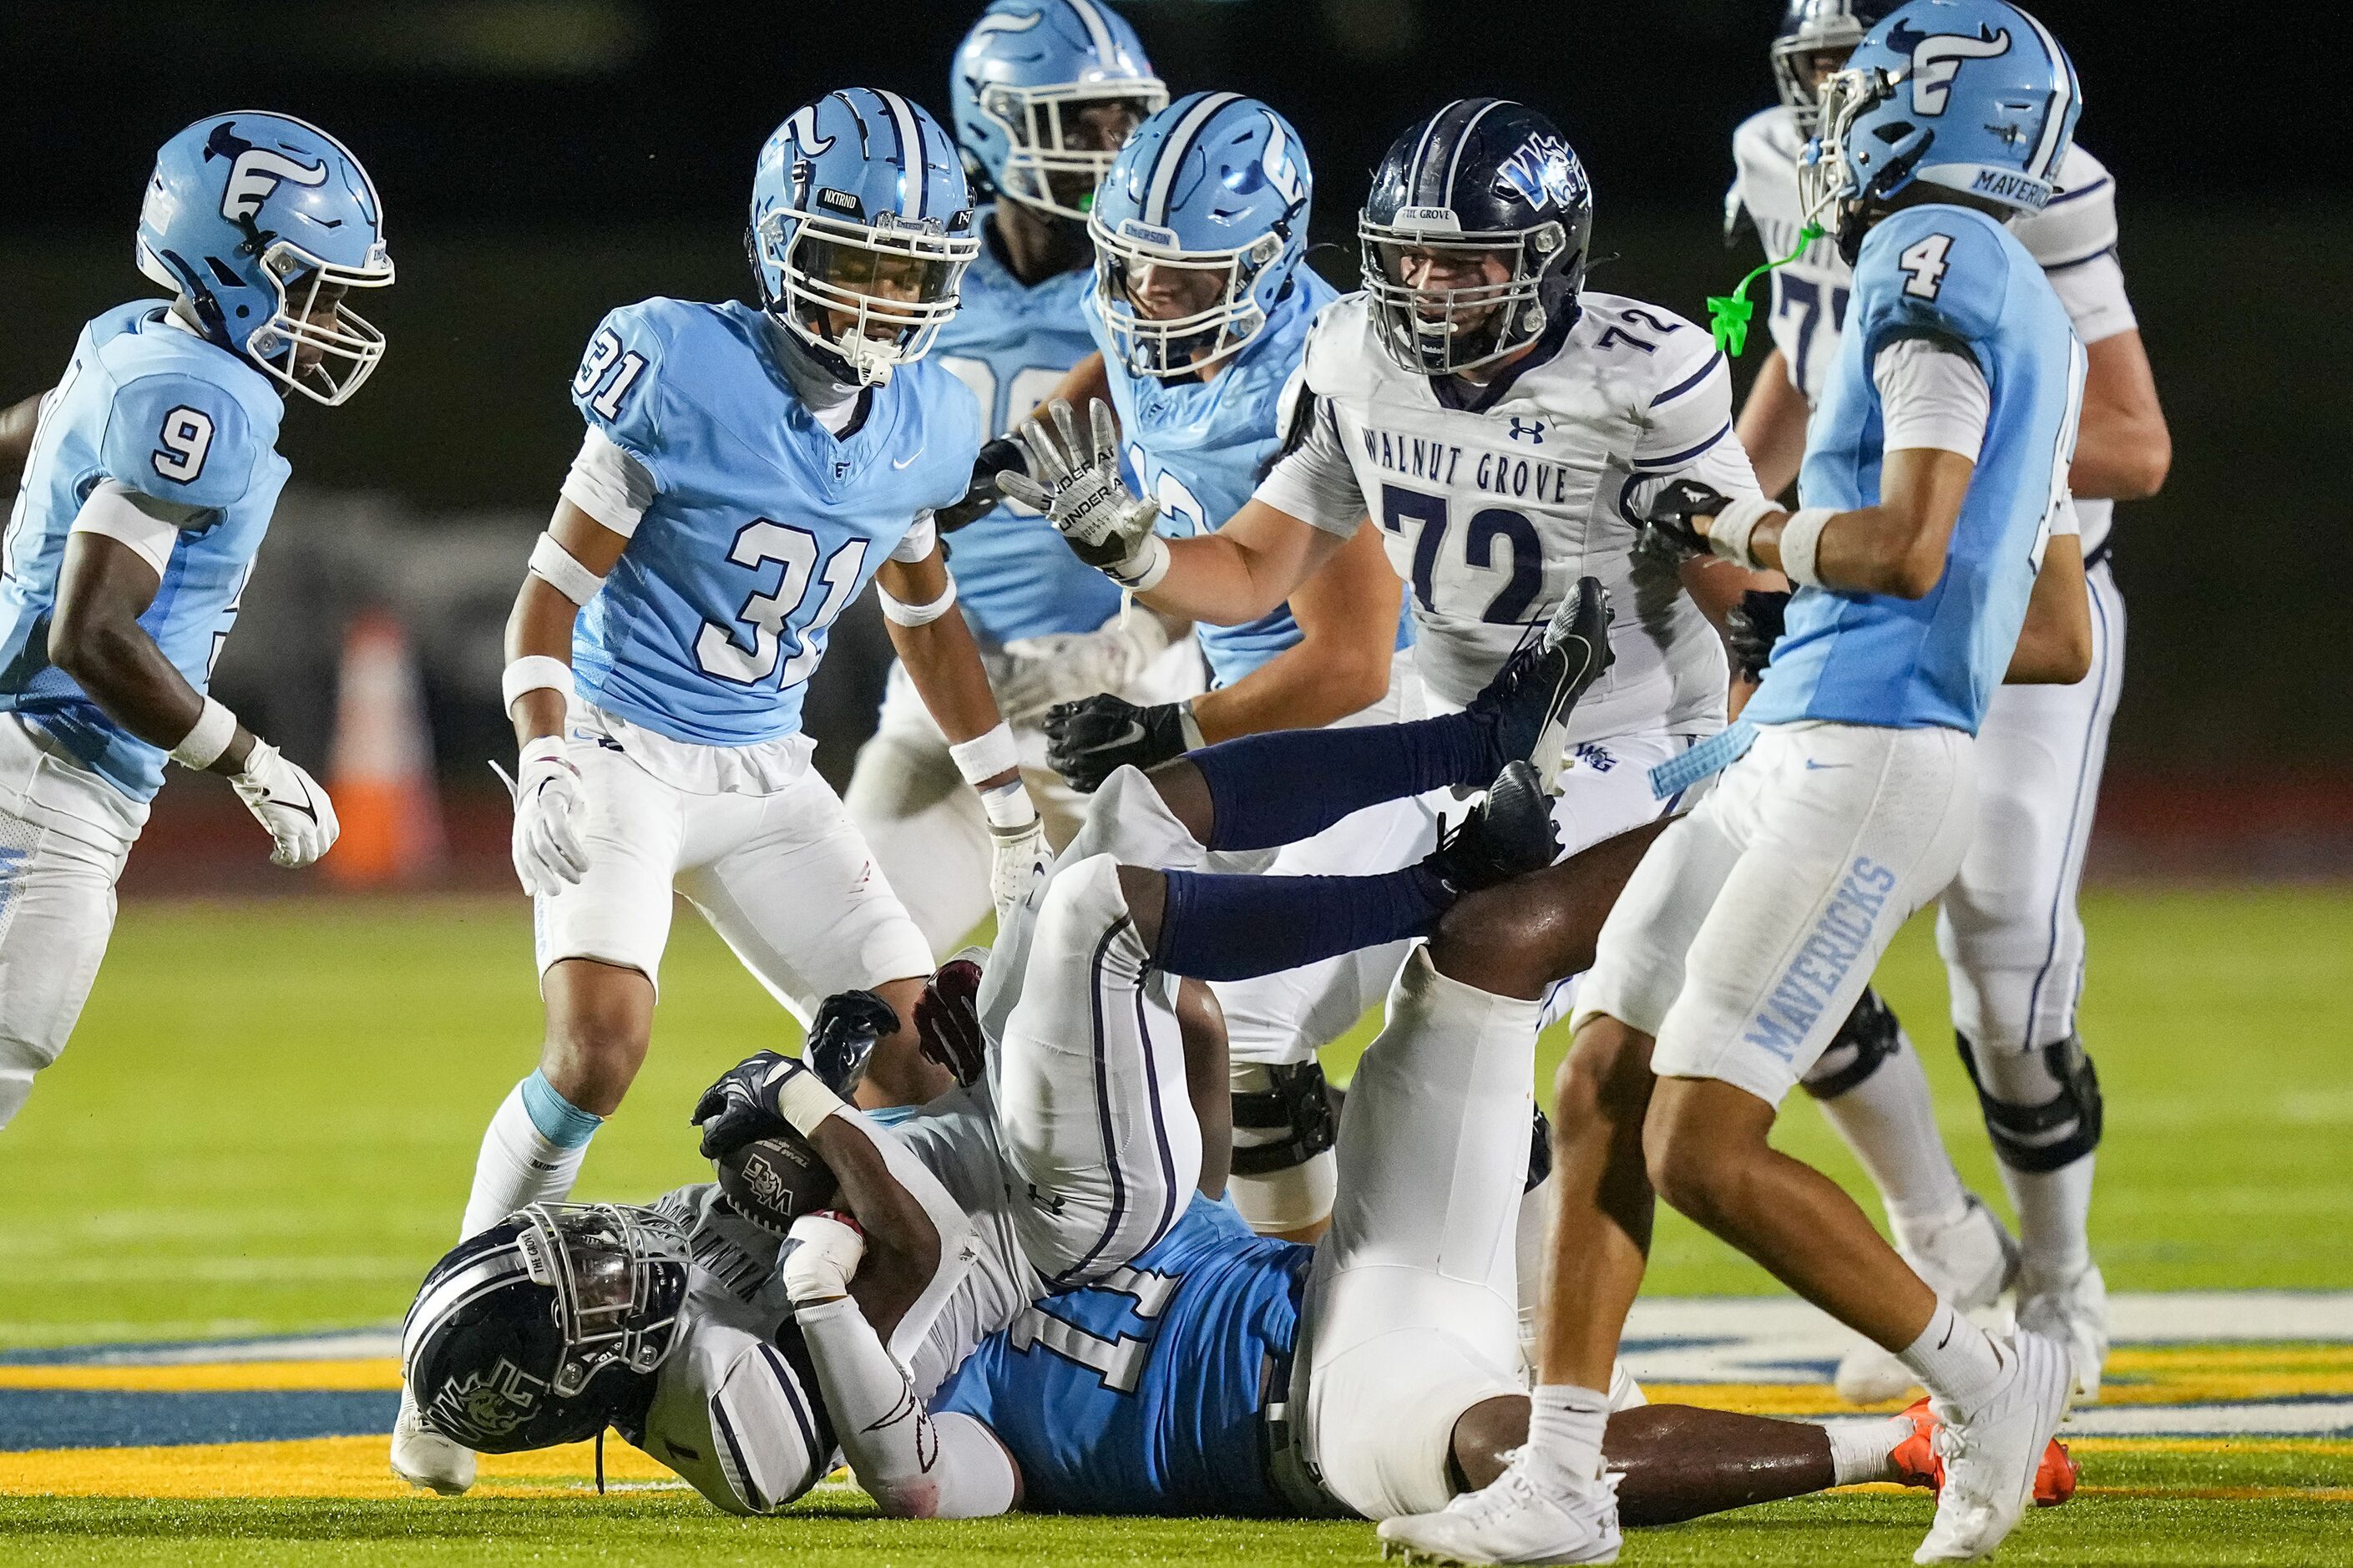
[1076, 1150]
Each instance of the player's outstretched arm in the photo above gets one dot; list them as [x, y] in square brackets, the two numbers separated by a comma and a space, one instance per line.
[2055, 646]
[1896, 547]
[18, 422]
[2123, 446]
[1348, 615]
[1773, 426]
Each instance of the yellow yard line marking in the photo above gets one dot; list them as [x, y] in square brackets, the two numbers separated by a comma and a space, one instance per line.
[381, 1373]
[2226, 1494]
[2207, 1445]
[315, 1467]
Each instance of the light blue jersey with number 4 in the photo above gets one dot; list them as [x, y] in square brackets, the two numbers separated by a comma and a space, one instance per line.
[1957, 275]
[163, 412]
[764, 526]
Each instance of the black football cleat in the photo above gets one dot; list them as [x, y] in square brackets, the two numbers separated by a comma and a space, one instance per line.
[1529, 700]
[1508, 833]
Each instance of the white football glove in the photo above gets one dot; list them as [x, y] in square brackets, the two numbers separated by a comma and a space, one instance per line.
[1086, 500]
[550, 802]
[824, 1250]
[289, 803]
[1033, 674]
[1019, 848]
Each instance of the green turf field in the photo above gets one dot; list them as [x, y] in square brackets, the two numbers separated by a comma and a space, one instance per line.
[267, 1121]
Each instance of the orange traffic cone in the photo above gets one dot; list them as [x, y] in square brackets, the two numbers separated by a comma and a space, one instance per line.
[380, 774]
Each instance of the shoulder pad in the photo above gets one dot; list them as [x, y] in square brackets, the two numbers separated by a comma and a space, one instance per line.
[181, 437]
[1338, 341]
[1937, 269]
[2081, 221]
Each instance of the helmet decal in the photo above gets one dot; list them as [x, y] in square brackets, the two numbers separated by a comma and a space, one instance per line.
[1937, 59]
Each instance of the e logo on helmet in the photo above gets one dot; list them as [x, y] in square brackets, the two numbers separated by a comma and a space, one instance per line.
[254, 178]
[1937, 59]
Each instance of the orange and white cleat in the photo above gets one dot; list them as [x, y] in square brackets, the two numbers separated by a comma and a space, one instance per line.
[1917, 1463]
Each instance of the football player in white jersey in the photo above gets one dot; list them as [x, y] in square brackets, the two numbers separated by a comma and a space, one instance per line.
[2012, 941]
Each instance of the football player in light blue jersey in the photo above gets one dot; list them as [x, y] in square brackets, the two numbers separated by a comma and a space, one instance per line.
[1202, 310]
[149, 474]
[1935, 506]
[1043, 92]
[744, 475]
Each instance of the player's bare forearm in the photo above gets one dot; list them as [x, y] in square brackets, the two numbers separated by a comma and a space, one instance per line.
[542, 620]
[1244, 570]
[940, 656]
[103, 587]
[1715, 585]
[2054, 646]
[1085, 381]
[1348, 615]
[1896, 547]
[2123, 448]
[902, 1245]
[18, 423]
[1773, 426]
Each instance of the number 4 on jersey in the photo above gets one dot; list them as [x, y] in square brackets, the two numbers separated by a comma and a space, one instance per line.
[1924, 266]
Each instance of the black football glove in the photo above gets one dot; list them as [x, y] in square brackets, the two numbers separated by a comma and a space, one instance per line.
[742, 1106]
[947, 1020]
[1752, 626]
[1663, 510]
[996, 458]
[843, 1038]
[1090, 740]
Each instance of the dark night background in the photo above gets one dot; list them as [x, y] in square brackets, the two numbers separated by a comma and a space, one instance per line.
[544, 160]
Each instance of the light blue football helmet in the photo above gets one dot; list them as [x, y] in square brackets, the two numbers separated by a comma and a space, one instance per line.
[861, 229]
[249, 215]
[1205, 210]
[1022, 84]
[1972, 95]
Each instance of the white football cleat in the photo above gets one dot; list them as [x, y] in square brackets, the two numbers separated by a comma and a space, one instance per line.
[1513, 1521]
[424, 1457]
[1992, 1452]
[1968, 1264]
[2076, 1315]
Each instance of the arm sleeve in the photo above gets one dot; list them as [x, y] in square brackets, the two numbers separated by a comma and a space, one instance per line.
[959, 1244]
[2075, 241]
[1311, 479]
[148, 527]
[608, 483]
[1932, 394]
[916, 1466]
[2093, 293]
[1687, 421]
[179, 439]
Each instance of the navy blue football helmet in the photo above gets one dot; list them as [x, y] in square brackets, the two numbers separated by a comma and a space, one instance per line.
[1484, 187]
[1811, 27]
[546, 1327]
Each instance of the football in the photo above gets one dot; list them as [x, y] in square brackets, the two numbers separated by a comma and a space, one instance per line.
[773, 1182]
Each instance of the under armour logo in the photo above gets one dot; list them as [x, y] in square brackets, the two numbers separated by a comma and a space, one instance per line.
[1528, 430]
[254, 178]
[1937, 59]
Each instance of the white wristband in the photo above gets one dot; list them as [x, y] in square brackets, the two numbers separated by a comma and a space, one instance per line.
[534, 672]
[1142, 571]
[1801, 537]
[900, 613]
[556, 567]
[207, 739]
[986, 756]
[1008, 805]
[804, 1101]
[1727, 536]
[1189, 727]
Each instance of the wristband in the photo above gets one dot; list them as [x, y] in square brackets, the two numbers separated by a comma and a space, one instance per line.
[533, 672]
[984, 757]
[560, 570]
[1727, 536]
[804, 1101]
[207, 738]
[1801, 538]
[542, 749]
[1142, 571]
[1188, 727]
[1008, 805]
[900, 613]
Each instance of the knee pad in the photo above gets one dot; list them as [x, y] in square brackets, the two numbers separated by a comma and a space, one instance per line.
[1539, 1151]
[1289, 1108]
[1870, 1036]
[2041, 1107]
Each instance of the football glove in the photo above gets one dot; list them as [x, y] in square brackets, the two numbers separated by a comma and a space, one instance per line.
[1090, 740]
[821, 1255]
[765, 1094]
[549, 803]
[1017, 852]
[998, 458]
[290, 806]
[1752, 626]
[947, 1020]
[1032, 674]
[843, 1036]
[1080, 488]
[1665, 510]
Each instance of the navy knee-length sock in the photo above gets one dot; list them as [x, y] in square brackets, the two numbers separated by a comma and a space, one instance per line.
[1216, 927]
[1275, 789]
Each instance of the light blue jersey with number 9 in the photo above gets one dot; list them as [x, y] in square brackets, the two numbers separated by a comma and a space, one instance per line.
[764, 527]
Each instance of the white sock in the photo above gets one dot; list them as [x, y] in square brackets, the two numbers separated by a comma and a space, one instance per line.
[531, 1154]
[2054, 1211]
[1564, 1424]
[1863, 1451]
[1953, 1358]
[1890, 1121]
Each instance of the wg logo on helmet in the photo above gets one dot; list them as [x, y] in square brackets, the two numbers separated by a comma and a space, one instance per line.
[481, 1405]
[1543, 170]
[254, 178]
[1937, 59]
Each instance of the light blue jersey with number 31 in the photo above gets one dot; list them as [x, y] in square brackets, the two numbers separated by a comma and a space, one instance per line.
[764, 527]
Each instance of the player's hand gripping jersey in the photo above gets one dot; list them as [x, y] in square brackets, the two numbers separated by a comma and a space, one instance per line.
[759, 526]
[1492, 510]
[151, 406]
[1957, 275]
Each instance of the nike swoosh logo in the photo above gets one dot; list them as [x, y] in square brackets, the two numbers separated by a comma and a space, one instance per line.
[918, 452]
[1813, 766]
[302, 806]
[1134, 734]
